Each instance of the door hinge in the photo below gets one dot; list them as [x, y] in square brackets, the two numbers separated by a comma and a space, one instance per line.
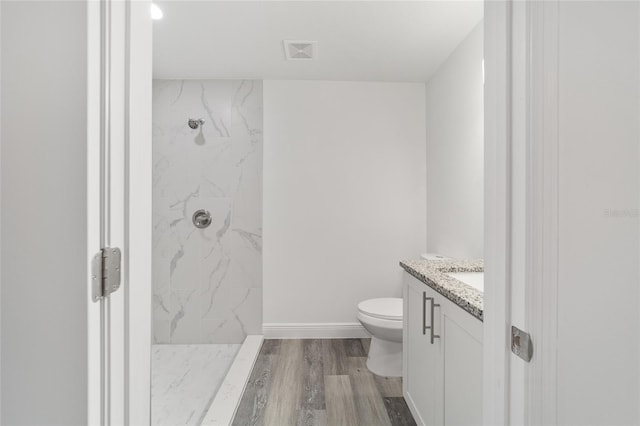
[521, 344]
[106, 272]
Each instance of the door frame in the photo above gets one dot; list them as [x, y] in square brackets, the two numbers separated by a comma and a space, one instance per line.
[139, 211]
[119, 327]
[521, 107]
[540, 121]
[542, 207]
[497, 212]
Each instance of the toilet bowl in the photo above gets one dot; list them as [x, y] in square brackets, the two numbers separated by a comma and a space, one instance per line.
[383, 319]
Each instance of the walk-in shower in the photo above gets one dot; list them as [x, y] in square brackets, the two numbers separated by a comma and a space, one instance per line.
[207, 237]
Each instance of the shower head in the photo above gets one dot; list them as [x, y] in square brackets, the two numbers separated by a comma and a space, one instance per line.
[194, 124]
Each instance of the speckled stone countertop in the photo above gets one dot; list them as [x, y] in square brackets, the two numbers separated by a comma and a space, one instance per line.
[434, 274]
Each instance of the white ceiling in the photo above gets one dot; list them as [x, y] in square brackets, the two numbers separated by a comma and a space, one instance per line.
[357, 40]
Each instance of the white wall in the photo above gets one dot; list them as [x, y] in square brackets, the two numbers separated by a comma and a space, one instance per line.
[44, 288]
[599, 238]
[455, 152]
[344, 185]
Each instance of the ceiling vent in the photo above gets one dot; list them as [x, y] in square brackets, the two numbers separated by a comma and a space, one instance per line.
[295, 50]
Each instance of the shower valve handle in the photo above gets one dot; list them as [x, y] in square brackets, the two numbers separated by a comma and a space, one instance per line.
[202, 219]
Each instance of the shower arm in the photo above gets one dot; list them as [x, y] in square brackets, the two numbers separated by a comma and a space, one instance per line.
[195, 123]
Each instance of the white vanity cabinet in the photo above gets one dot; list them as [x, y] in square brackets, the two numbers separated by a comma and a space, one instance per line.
[442, 377]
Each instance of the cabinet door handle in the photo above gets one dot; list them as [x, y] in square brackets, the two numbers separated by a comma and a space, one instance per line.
[424, 313]
[430, 327]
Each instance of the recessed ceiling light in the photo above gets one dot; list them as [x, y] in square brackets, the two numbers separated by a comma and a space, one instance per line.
[156, 12]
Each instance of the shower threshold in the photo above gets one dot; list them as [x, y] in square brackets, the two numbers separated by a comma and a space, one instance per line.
[200, 384]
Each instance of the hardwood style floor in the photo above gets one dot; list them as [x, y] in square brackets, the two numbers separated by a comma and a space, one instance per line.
[320, 383]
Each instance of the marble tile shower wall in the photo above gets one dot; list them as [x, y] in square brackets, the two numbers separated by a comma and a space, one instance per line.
[207, 283]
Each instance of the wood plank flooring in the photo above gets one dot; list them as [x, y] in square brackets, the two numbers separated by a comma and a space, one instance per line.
[320, 382]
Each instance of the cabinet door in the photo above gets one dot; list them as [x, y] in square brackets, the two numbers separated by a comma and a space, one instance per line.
[422, 359]
[462, 356]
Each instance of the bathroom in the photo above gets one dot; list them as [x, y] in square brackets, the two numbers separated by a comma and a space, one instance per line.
[280, 182]
[319, 213]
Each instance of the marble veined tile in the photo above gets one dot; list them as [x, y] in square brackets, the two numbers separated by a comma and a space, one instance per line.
[185, 324]
[185, 379]
[207, 282]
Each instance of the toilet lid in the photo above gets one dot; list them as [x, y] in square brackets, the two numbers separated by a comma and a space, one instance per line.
[386, 308]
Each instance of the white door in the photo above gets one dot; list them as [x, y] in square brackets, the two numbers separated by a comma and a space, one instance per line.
[565, 122]
[422, 363]
[461, 375]
[583, 287]
[119, 158]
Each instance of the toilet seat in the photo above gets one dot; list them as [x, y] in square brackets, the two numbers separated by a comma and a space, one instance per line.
[380, 323]
[388, 308]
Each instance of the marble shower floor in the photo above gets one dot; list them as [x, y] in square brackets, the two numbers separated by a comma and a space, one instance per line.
[185, 379]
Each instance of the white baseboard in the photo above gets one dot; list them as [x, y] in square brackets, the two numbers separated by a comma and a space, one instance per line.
[329, 330]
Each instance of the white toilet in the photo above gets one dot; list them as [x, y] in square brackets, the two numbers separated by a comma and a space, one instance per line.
[383, 319]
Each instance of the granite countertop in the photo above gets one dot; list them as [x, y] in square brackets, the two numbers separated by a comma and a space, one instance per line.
[434, 274]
